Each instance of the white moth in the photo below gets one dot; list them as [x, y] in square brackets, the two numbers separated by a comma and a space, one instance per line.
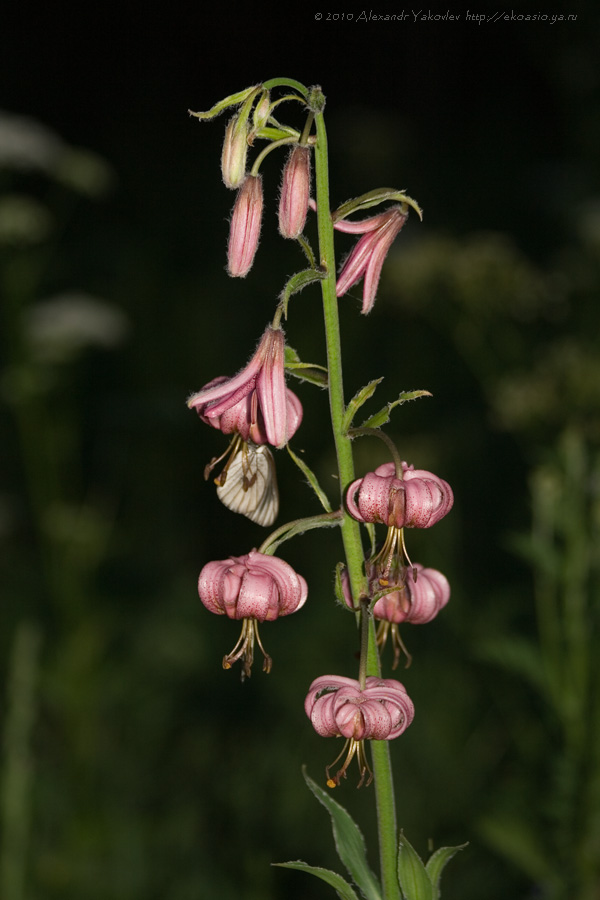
[250, 484]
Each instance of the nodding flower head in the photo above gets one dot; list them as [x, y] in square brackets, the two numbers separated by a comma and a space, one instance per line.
[338, 706]
[244, 228]
[295, 192]
[405, 593]
[255, 403]
[418, 499]
[255, 588]
[367, 257]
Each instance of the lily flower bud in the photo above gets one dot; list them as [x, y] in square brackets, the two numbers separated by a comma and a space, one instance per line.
[244, 229]
[235, 149]
[295, 192]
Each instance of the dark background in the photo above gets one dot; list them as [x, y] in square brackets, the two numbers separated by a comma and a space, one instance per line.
[152, 772]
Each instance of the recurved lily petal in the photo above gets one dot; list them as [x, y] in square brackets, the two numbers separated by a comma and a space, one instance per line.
[367, 257]
[417, 500]
[255, 402]
[338, 706]
[253, 586]
[382, 710]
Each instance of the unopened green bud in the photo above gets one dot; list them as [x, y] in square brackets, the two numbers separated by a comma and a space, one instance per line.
[235, 149]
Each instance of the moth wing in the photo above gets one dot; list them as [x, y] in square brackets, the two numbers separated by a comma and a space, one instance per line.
[251, 485]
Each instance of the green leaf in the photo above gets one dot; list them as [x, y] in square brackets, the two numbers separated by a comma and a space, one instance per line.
[373, 198]
[305, 371]
[412, 874]
[349, 842]
[297, 283]
[280, 133]
[312, 480]
[343, 889]
[383, 416]
[364, 394]
[437, 861]
[232, 100]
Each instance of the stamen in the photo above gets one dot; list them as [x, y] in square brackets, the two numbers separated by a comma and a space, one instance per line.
[355, 748]
[399, 648]
[232, 450]
[385, 557]
[244, 649]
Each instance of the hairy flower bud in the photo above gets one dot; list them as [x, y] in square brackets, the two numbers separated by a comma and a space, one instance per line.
[295, 192]
[418, 499]
[244, 229]
[235, 149]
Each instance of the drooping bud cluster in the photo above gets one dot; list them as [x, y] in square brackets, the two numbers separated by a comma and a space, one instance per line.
[255, 588]
[338, 706]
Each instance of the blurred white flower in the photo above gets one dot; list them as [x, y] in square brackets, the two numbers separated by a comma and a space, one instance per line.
[26, 144]
[61, 327]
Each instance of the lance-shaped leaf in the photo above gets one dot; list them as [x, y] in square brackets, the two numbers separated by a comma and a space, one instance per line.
[297, 283]
[436, 862]
[349, 842]
[412, 874]
[373, 198]
[311, 372]
[232, 100]
[312, 480]
[364, 394]
[343, 889]
[383, 416]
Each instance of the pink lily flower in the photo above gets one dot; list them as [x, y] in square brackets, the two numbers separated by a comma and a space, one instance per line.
[413, 594]
[255, 588]
[338, 706]
[255, 402]
[418, 499]
[367, 257]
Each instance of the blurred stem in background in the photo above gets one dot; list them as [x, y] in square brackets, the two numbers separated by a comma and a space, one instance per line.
[17, 768]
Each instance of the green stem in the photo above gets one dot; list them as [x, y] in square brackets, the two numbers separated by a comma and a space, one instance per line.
[343, 445]
[350, 528]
